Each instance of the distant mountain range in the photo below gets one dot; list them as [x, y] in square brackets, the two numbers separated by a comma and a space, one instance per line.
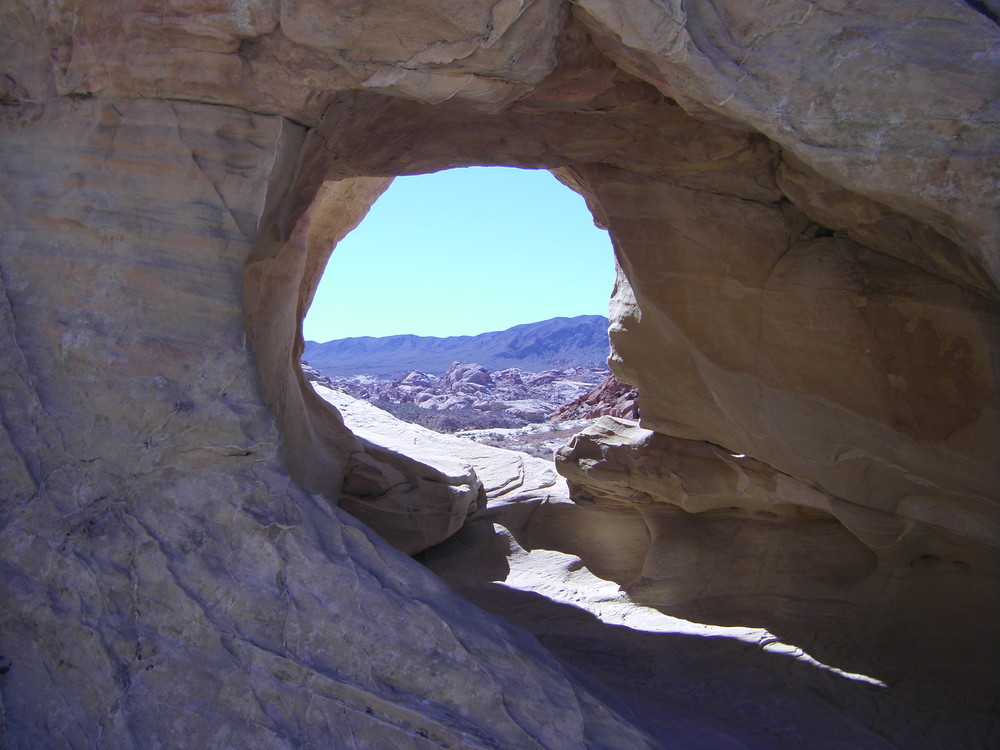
[558, 342]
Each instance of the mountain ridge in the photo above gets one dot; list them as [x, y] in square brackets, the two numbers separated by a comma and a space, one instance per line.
[578, 340]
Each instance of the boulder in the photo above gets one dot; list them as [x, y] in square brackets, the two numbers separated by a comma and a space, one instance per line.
[467, 373]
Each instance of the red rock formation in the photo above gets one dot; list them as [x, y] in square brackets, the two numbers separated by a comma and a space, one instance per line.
[611, 397]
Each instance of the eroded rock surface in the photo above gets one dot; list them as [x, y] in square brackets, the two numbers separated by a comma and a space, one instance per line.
[610, 397]
[802, 198]
[824, 566]
[529, 555]
[165, 582]
[469, 396]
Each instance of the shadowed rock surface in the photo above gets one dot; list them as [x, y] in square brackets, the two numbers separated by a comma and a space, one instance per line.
[802, 201]
[531, 553]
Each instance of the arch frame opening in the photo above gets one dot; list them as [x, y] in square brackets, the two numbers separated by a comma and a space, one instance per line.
[707, 320]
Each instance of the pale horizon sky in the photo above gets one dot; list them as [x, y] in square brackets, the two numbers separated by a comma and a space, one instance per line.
[462, 252]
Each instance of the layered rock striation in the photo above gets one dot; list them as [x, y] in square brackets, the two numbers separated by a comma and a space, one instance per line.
[531, 554]
[802, 200]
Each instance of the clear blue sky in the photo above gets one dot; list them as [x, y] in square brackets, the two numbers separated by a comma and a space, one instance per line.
[462, 252]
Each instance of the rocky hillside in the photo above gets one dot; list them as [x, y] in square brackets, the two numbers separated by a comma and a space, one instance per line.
[559, 342]
[531, 412]
[469, 396]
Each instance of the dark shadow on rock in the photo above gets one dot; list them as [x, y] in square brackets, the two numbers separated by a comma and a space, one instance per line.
[925, 629]
[712, 692]
[475, 552]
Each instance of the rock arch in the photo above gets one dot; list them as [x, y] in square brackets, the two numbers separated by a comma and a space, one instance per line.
[743, 319]
[808, 277]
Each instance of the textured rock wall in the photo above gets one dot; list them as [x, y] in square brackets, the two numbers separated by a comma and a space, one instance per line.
[728, 539]
[412, 505]
[913, 136]
[802, 198]
[165, 582]
[831, 362]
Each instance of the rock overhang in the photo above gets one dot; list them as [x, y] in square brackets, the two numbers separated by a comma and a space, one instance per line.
[761, 306]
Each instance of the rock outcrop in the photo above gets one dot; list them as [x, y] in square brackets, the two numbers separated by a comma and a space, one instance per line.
[609, 397]
[468, 396]
[530, 554]
[782, 540]
[802, 199]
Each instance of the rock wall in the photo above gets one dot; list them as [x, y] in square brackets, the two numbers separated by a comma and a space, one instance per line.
[802, 198]
[725, 538]
[165, 582]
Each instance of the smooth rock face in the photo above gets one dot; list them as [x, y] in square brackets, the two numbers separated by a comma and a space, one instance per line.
[831, 362]
[802, 199]
[917, 154]
[412, 512]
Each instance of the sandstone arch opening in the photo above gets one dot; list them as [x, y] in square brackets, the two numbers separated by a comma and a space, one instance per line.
[459, 253]
[770, 343]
